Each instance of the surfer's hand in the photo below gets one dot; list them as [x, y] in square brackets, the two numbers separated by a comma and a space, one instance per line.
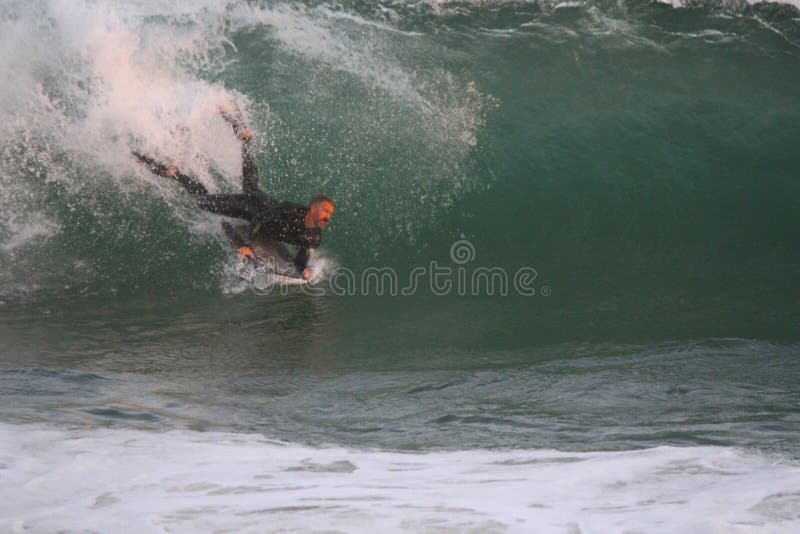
[308, 274]
[246, 252]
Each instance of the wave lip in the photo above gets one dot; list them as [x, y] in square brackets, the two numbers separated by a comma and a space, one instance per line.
[184, 481]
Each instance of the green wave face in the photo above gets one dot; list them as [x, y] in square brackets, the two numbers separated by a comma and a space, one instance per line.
[641, 158]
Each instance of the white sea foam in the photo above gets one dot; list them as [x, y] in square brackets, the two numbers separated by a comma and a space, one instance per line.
[31, 227]
[449, 6]
[86, 81]
[685, 3]
[182, 481]
[95, 77]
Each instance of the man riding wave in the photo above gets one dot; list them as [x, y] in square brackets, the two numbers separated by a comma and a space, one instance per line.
[286, 222]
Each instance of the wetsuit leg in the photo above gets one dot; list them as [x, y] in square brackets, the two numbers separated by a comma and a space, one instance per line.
[241, 206]
[194, 187]
[249, 167]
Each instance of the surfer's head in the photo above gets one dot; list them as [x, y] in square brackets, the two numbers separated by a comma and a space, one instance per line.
[320, 211]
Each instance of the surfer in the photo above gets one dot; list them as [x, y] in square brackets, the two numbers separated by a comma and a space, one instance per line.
[286, 222]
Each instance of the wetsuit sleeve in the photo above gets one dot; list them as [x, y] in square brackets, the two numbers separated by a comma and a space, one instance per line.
[232, 236]
[306, 250]
[303, 255]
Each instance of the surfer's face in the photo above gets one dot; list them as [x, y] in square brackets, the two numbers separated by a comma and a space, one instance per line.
[321, 213]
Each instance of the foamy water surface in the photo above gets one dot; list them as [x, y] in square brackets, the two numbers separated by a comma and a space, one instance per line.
[55, 479]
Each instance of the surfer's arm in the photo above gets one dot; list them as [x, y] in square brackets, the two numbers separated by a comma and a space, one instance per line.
[244, 249]
[303, 255]
[233, 116]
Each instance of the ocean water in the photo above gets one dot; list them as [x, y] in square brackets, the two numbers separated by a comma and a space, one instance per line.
[559, 292]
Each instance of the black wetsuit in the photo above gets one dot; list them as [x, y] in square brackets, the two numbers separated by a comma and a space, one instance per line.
[268, 218]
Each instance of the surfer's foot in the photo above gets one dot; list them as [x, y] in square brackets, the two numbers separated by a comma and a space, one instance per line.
[231, 113]
[233, 116]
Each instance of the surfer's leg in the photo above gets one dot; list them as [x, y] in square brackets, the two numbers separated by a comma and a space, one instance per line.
[233, 116]
[240, 205]
[249, 169]
[194, 187]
